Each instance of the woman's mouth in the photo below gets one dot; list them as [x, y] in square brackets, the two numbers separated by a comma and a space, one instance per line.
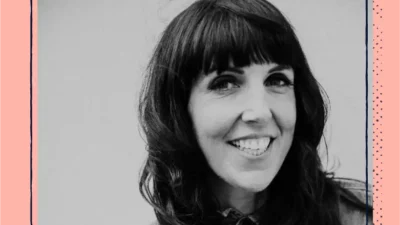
[254, 147]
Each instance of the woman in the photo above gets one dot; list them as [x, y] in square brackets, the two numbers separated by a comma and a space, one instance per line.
[233, 118]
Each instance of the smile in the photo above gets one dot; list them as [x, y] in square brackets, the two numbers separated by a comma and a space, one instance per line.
[255, 147]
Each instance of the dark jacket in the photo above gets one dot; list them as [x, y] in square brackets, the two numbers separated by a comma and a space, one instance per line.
[350, 211]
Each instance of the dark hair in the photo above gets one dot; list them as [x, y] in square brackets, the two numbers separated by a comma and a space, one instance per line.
[203, 38]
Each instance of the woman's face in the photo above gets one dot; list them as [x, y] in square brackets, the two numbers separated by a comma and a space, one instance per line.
[244, 119]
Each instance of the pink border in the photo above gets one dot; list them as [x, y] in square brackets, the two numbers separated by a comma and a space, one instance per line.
[377, 102]
[34, 111]
[386, 111]
[15, 112]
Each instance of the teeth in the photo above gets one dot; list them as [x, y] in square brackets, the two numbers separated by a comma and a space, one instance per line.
[241, 144]
[266, 141]
[247, 144]
[253, 145]
[261, 144]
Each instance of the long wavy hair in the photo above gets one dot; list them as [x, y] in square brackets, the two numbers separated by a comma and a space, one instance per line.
[204, 37]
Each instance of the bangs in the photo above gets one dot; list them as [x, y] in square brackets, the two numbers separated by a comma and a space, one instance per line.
[222, 38]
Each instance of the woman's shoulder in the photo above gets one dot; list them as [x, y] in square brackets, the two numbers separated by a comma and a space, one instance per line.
[355, 201]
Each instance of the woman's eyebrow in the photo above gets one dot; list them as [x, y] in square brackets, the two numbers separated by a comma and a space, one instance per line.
[279, 68]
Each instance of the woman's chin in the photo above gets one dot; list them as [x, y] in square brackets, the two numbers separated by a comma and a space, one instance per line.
[253, 185]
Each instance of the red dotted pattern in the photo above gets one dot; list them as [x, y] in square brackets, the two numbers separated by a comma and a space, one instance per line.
[377, 47]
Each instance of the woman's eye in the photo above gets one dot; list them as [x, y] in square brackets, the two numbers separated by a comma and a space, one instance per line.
[278, 80]
[224, 84]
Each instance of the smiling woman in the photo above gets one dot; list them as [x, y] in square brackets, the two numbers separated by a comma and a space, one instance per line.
[233, 118]
[249, 134]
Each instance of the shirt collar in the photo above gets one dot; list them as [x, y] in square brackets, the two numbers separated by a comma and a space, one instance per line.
[231, 212]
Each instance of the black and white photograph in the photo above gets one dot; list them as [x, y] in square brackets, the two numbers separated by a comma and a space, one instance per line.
[204, 112]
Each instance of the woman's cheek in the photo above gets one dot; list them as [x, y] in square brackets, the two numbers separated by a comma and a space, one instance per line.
[215, 118]
[285, 112]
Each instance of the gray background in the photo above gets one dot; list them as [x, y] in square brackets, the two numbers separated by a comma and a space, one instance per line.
[91, 58]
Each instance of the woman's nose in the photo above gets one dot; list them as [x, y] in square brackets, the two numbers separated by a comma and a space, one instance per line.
[256, 108]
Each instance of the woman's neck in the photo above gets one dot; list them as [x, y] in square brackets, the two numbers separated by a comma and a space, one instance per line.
[234, 197]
